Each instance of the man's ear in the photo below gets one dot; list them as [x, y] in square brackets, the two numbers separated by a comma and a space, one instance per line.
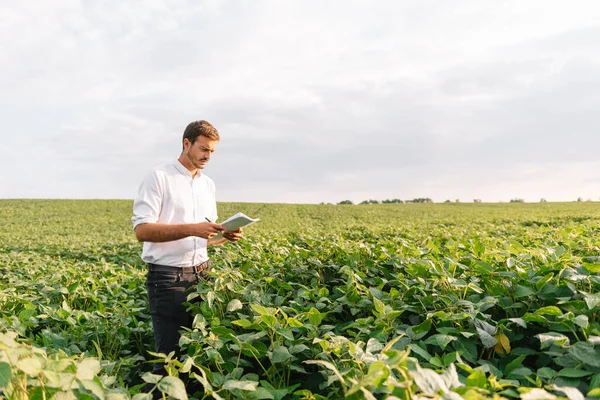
[186, 143]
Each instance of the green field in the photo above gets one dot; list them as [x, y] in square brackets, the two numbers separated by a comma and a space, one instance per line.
[318, 301]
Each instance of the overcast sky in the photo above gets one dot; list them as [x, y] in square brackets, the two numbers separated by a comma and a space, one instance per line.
[314, 100]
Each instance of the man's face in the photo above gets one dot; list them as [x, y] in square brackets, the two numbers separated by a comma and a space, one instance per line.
[199, 153]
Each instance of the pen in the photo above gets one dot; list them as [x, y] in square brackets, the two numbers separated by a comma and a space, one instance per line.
[206, 218]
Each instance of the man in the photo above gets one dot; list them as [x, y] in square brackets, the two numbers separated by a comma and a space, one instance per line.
[172, 216]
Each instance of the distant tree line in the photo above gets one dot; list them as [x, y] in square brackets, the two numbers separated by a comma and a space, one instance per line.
[420, 200]
[428, 200]
[369, 202]
[390, 201]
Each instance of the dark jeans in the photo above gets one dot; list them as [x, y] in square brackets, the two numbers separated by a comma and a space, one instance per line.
[168, 288]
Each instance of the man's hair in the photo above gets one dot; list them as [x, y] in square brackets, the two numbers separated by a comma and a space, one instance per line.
[200, 128]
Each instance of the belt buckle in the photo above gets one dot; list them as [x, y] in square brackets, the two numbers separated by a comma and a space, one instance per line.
[198, 269]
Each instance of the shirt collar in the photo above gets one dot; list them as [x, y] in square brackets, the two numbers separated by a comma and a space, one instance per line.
[179, 166]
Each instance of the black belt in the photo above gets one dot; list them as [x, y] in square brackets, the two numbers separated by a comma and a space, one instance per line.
[196, 269]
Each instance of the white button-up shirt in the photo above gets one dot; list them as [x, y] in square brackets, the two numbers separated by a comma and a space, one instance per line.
[170, 195]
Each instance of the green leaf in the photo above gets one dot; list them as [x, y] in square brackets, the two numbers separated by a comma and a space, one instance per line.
[280, 354]
[440, 340]
[233, 384]
[378, 373]
[466, 367]
[477, 379]
[373, 346]
[573, 373]
[592, 300]
[294, 323]
[550, 338]
[379, 306]
[277, 394]
[234, 305]
[594, 393]
[436, 361]
[244, 323]
[260, 394]
[256, 349]
[263, 310]
[510, 392]
[26, 314]
[483, 267]
[315, 317]
[5, 374]
[418, 331]
[427, 380]
[149, 377]
[42, 393]
[535, 318]
[486, 326]
[287, 333]
[299, 348]
[593, 268]
[519, 321]
[451, 358]
[582, 321]
[559, 251]
[59, 380]
[173, 387]
[58, 365]
[210, 298]
[488, 340]
[94, 386]
[88, 369]
[269, 320]
[329, 366]
[546, 373]
[223, 332]
[236, 373]
[65, 306]
[524, 291]
[585, 353]
[31, 366]
[549, 310]
[521, 371]
[420, 351]
[514, 364]
[73, 286]
[542, 282]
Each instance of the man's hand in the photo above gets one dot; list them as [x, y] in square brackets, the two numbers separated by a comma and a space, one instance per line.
[208, 230]
[233, 236]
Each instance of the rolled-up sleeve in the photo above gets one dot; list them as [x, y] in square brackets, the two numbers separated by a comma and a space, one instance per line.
[147, 204]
